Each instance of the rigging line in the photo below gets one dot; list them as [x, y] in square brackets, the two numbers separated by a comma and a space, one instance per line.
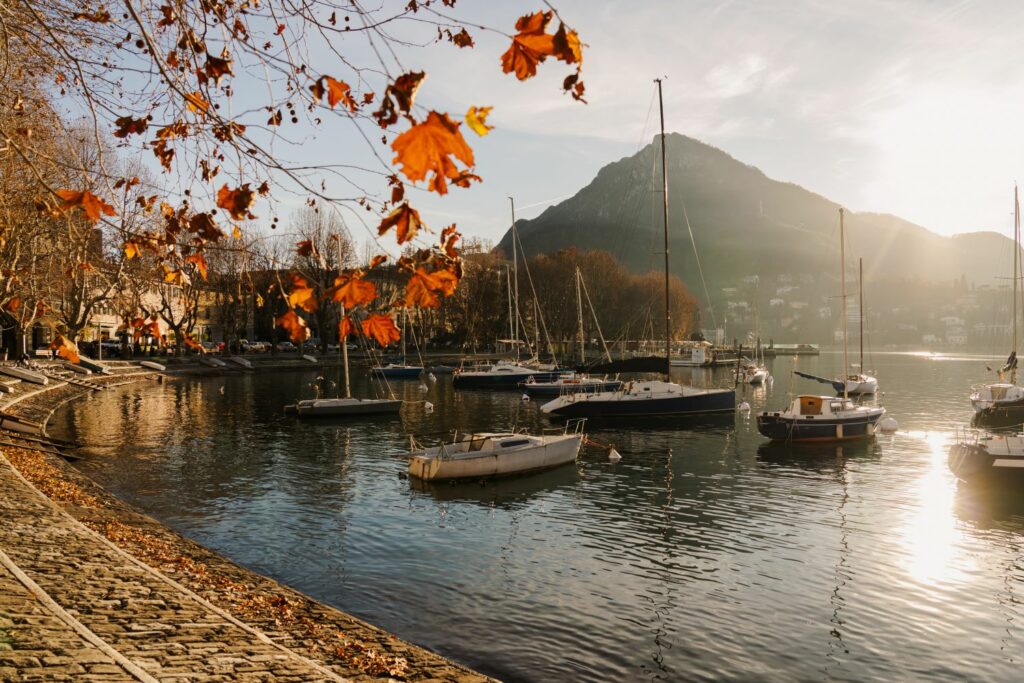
[700, 269]
[540, 315]
[600, 335]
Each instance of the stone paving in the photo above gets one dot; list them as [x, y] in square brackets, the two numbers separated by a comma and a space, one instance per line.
[170, 634]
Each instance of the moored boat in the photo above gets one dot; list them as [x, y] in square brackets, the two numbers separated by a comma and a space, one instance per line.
[501, 375]
[820, 418]
[496, 454]
[649, 399]
[568, 384]
[993, 457]
[397, 371]
[342, 407]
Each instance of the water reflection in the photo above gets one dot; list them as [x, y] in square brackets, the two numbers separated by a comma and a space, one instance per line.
[705, 553]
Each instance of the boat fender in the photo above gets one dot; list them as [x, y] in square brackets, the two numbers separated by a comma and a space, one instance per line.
[526, 397]
[744, 407]
[428, 406]
[888, 425]
[423, 387]
[613, 455]
[431, 377]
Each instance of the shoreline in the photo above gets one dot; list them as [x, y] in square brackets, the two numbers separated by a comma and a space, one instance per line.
[345, 644]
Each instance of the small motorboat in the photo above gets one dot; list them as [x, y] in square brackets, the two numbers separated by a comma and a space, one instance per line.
[487, 454]
[820, 418]
[442, 369]
[998, 398]
[753, 373]
[397, 371]
[343, 407]
[994, 457]
[568, 384]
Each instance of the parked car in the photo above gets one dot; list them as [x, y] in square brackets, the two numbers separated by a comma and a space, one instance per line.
[255, 346]
[286, 346]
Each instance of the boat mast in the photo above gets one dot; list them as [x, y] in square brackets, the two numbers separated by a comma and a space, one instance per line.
[343, 340]
[1016, 282]
[579, 316]
[405, 324]
[664, 209]
[860, 308]
[515, 275]
[508, 278]
[842, 279]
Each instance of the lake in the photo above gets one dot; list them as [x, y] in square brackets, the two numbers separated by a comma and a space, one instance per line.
[702, 554]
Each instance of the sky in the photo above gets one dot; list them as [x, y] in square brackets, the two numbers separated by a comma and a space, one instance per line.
[906, 107]
[911, 108]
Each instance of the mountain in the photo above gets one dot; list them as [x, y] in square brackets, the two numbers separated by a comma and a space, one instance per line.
[745, 223]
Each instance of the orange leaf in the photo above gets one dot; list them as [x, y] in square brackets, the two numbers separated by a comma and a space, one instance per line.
[345, 328]
[382, 328]
[13, 304]
[405, 220]
[196, 103]
[423, 287]
[529, 47]
[305, 248]
[351, 291]
[567, 46]
[89, 203]
[66, 348]
[191, 343]
[426, 148]
[301, 295]
[236, 202]
[293, 325]
[449, 236]
[200, 263]
[339, 91]
[477, 120]
[377, 260]
[462, 39]
[400, 94]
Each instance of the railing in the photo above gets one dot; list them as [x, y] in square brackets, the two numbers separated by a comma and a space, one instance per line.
[967, 436]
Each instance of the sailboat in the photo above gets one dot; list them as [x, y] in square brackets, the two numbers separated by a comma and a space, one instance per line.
[399, 370]
[506, 374]
[824, 418]
[573, 382]
[347, 405]
[653, 397]
[851, 383]
[999, 401]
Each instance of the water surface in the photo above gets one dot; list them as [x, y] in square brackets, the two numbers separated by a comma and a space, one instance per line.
[703, 554]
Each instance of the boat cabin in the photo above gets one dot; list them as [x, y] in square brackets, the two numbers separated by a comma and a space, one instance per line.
[820, 405]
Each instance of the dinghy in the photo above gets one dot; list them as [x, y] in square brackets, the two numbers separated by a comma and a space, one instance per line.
[486, 454]
[342, 407]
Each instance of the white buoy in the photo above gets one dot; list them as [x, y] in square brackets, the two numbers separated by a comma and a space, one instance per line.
[526, 397]
[423, 387]
[613, 455]
[222, 389]
[744, 407]
[888, 425]
[428, 406]
[431, 377]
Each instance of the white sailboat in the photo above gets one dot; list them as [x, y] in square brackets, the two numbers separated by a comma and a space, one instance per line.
[998, 401]
[861, 383]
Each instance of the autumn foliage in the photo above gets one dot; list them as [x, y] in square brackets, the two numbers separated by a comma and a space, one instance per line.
[165, 82]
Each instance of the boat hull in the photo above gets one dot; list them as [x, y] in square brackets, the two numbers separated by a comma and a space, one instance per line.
[347, 407]
[485, 380]
[778, 427]
[716, 401]
[559, 451]
[974, 463]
